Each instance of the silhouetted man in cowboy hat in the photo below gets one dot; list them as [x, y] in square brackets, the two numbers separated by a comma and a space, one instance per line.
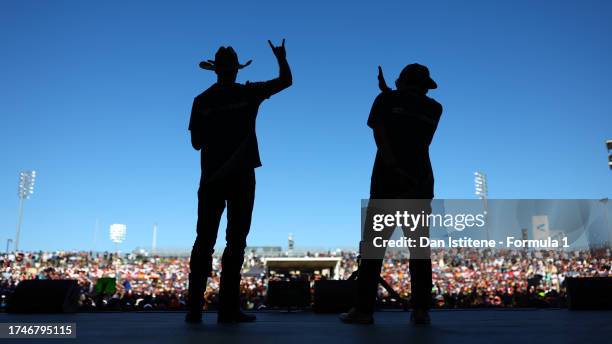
[404, 122]
[222, 128]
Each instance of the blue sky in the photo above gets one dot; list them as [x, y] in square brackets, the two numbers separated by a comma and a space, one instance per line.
[96, 98]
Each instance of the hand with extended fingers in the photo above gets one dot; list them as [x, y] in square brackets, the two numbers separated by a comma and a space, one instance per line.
[279, 51]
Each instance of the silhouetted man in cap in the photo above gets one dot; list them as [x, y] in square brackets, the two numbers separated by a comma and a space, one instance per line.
[404, 122]
[222, 127]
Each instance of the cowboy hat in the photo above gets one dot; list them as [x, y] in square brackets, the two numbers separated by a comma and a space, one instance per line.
[226, 59]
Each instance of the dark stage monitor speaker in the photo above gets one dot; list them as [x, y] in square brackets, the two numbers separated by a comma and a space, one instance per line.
[44, 296]
[288, 294]
[334, 296]
[589, 293]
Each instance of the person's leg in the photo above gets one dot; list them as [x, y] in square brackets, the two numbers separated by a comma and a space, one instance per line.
[367, 284]
[369, 267]
[210, 208]
[239, 211]
[420, 283]
[420, 268]
[371, 258]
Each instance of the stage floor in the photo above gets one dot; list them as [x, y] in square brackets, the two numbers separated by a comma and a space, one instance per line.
[448, 326]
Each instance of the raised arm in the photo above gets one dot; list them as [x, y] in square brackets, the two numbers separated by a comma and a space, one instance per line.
[376, 122]
[285, 79]
[382, 84]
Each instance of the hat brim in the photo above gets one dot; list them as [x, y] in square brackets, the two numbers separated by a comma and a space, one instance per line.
[210, 65]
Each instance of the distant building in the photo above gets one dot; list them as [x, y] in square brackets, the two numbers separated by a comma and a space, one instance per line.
[265, 251]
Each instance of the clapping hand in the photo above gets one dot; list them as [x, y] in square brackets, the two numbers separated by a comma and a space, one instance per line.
[279, 51]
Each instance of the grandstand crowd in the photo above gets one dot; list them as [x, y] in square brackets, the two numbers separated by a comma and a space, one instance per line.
[463, 278]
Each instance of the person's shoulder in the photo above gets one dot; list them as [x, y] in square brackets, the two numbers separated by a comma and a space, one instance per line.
[434, 105]
[252, 85]
[205, 93]
[386, 96]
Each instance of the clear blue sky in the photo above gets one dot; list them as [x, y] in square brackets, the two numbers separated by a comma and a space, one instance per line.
[96, 97]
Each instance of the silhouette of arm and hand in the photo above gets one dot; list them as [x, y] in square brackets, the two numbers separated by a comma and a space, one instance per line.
[380, 136]
[284, 79]
[383, 144]
[382, 84]
[266, 89]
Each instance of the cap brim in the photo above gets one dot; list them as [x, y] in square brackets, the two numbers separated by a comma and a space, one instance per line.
[431, 84]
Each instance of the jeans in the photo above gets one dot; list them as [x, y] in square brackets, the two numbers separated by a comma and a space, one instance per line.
[237, 192]
[419, 263]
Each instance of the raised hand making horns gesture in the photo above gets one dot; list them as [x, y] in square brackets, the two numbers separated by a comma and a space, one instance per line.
[279, 51]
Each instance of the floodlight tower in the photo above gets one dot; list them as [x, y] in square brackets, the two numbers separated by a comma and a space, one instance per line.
[24, 191]
[117, 233]
[604, 202]
[290, 243]
[482, 191]
[95, 235]
[609, 147]
[154, 241]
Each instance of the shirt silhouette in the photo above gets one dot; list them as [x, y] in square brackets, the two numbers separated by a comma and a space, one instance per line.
[224, 116]
[408, 121]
